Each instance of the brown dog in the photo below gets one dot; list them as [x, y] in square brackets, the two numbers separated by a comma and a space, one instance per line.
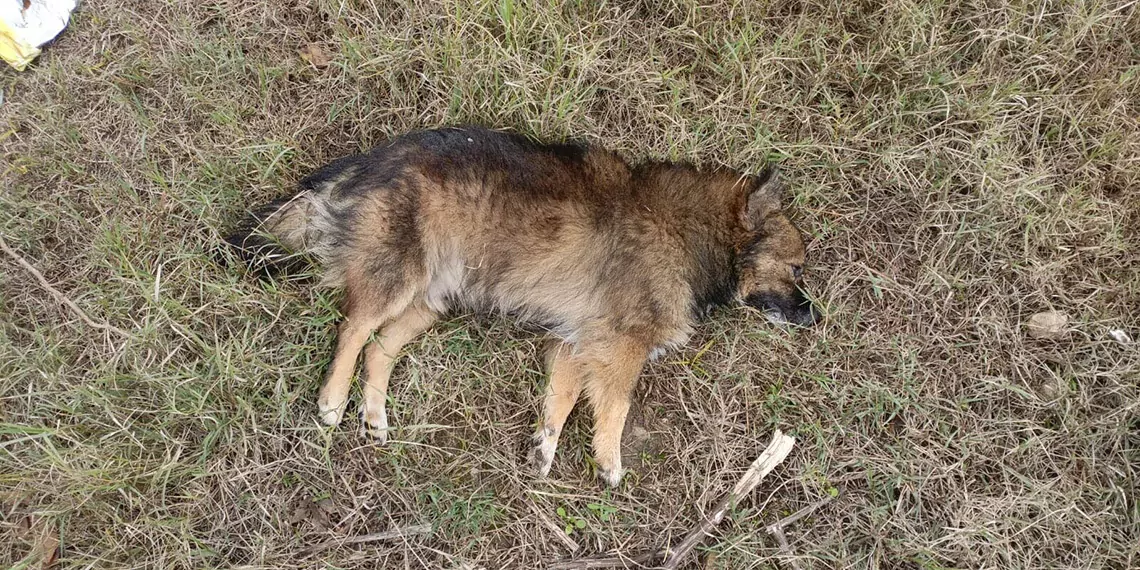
[618, 261]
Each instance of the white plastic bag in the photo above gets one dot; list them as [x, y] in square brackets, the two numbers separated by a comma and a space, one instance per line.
[25, 25]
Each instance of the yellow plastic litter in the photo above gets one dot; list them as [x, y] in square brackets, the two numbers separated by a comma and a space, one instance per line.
[25, 25]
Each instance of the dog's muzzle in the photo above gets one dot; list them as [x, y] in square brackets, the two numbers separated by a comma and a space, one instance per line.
[793, 309]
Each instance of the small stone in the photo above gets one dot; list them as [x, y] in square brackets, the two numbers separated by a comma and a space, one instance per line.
[1050, 325]
[326, 505]
[1047, 391]
[1120, 336]
[315, 54]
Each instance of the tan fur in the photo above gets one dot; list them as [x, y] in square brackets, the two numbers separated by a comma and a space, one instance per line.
[567, 374]
[379, 358]
[616, 261]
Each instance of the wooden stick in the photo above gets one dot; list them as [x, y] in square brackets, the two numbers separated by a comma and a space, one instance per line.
[775, 454]
[785, 548]
[59, 296]
[412, 530]
[776, 529]
[796, 516]
[589, 563]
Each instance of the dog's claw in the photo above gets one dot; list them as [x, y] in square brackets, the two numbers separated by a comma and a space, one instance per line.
[378, 435]
[374, 425]
[542, 455]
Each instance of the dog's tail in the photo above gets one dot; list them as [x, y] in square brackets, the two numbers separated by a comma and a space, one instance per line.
[275, 238]
[285, 235]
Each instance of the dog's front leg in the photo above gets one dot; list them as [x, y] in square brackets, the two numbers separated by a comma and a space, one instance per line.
[562, 390]
[613, 369]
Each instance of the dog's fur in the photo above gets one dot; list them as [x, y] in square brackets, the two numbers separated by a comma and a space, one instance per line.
[618, 261]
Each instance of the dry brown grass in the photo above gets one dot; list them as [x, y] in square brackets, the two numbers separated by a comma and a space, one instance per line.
[961, 165]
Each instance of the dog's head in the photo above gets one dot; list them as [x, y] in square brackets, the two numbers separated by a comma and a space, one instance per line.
[771, 257]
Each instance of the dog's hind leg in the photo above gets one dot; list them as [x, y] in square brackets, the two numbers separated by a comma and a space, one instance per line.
[612, 374]
[379, 359]
[352, 333]
[562, 390]
[368, 306]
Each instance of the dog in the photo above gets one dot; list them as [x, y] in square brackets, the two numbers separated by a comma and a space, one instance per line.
[617, 260]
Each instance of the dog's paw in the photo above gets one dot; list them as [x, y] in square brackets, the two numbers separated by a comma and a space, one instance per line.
[374, 424]
[611, 477]
[609, 468]
[331, 411]
[542, 455]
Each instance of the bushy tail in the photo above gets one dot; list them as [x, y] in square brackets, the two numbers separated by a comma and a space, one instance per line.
[275, 238]
[284, 235]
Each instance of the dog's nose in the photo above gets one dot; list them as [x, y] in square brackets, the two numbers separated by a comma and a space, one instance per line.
[806, 314]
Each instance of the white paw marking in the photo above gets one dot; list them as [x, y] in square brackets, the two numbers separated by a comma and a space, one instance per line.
[331, 413]
[374, 423]
[612, 477]
[546, 441]
[612, 473]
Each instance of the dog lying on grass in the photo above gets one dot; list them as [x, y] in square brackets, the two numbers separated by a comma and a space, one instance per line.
[618, 261]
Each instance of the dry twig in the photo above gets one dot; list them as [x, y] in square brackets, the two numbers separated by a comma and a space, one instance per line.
[412, 530]
[57, 294]
[776, 529]
[670, 557]
[560, 534]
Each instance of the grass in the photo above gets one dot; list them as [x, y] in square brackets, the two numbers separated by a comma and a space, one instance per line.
[958, 165]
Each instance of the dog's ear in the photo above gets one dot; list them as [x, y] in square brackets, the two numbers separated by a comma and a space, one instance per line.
[765, 195]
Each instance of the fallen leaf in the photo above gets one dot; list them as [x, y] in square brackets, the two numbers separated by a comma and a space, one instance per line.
[1049, 325]
[48, 549]
[315, 55]
[319, 513]
[711, 561]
